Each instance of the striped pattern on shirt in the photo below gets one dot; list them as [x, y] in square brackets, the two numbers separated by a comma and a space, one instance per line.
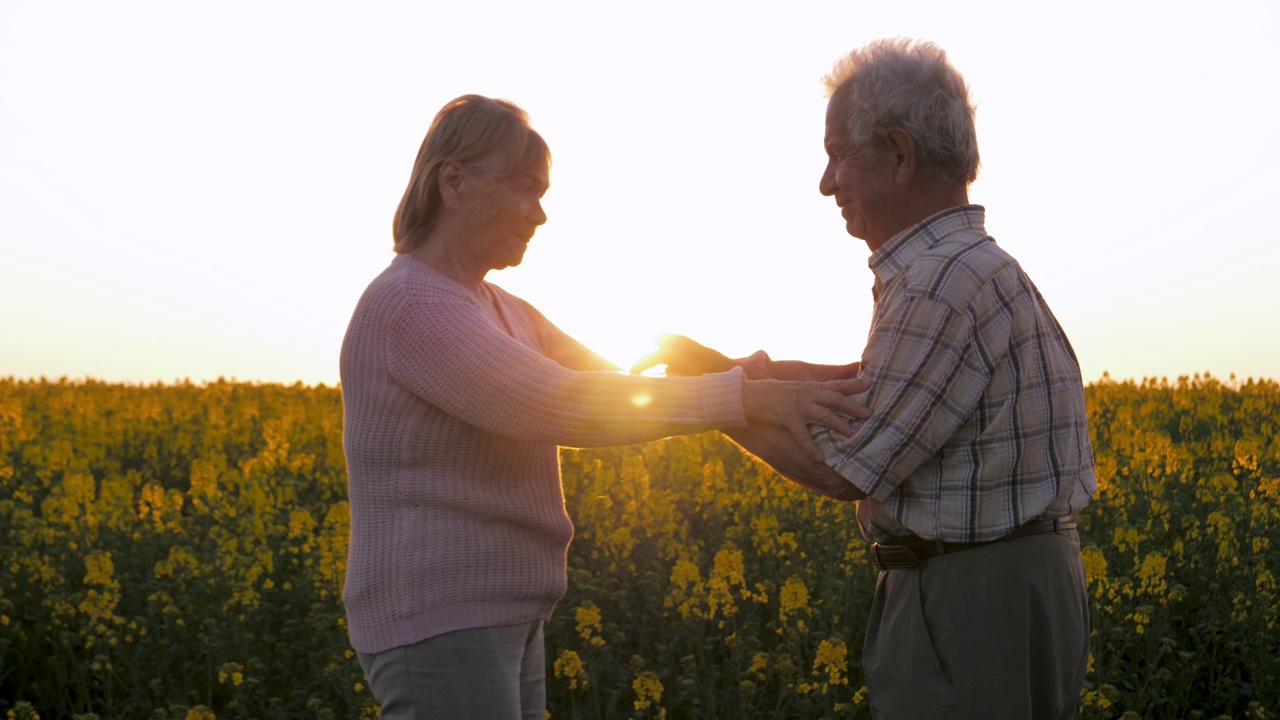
[978, 418]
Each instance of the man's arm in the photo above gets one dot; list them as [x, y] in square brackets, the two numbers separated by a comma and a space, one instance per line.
[685, 356]
[775, 446]
[761, 365]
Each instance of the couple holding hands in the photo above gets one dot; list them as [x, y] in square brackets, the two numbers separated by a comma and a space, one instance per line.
[961, 432]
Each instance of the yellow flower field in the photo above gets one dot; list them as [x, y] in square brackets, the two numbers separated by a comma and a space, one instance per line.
[177, 552]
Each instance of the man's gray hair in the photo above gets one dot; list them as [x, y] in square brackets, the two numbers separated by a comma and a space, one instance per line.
[909, 84]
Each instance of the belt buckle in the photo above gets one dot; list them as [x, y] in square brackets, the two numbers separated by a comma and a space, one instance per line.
[887, 557]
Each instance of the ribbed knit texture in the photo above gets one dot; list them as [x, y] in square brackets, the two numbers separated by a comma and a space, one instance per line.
[451, 427]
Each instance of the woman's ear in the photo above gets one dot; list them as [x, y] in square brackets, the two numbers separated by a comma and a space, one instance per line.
[451, 174]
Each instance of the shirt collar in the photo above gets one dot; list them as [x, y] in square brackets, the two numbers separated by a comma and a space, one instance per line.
[900, 250]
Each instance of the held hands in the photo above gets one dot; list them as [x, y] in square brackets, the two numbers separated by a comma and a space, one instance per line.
[684, 356]
[814, 397]
[795, 406]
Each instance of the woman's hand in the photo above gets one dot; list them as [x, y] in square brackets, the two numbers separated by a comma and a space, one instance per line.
[684, 356]
[797, 405]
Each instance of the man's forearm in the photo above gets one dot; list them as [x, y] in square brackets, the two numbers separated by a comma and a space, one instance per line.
[799, 370]
[685, 356]
[760, 366]
[775, 446]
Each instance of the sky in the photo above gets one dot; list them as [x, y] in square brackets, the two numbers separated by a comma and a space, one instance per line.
[195, 190]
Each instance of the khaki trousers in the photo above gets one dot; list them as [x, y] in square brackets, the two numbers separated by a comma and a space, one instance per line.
[998, 632]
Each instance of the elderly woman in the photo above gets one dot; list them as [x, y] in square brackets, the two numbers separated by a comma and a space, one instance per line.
[456, 396]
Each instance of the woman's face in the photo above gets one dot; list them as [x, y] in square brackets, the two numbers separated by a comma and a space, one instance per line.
[503, 210]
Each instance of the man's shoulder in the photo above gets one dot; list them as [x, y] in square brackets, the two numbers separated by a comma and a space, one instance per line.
[956, 268]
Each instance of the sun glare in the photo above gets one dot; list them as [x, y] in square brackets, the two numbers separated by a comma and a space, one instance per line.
[623, 346]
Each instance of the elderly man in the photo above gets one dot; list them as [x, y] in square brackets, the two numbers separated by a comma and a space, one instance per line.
[977, 455]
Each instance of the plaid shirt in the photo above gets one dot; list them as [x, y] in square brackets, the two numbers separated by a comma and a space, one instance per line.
[978, 418]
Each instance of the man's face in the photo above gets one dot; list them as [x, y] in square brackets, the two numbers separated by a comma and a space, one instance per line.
[863, 190]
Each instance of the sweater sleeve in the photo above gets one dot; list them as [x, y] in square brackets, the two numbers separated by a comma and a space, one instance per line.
[444, 350]
[556, 343]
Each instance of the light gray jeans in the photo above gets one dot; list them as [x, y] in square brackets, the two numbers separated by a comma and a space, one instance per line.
[493, 673]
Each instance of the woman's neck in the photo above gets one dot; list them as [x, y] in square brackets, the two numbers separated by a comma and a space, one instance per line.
[443, 253]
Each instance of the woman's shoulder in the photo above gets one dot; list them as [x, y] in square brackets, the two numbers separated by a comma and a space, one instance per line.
[510, 301]
[416, 282]
[408, 288]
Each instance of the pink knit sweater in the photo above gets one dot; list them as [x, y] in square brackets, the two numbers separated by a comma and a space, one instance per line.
[451, 428]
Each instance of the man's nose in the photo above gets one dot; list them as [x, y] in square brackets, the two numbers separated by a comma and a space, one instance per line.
[827, 185]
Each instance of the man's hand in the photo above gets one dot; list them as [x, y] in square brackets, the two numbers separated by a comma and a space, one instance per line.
[683, 356]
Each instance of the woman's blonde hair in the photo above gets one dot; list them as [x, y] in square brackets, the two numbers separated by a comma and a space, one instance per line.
[466, 130]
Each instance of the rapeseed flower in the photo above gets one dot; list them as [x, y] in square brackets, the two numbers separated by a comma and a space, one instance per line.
[570, 667]
[588, 623]
[648, 689]
[794, 599]
[231, 673]
[686, 589]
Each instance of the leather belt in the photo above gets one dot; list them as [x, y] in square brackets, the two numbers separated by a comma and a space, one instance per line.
[912, 552]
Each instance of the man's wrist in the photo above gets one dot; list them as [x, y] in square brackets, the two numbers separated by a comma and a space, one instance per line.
[757, 365]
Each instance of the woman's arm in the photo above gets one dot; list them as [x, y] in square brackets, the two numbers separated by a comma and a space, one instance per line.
[564, 349]
[442, 349]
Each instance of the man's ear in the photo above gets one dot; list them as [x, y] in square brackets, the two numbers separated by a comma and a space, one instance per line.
[900, 150]
[451, 174]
